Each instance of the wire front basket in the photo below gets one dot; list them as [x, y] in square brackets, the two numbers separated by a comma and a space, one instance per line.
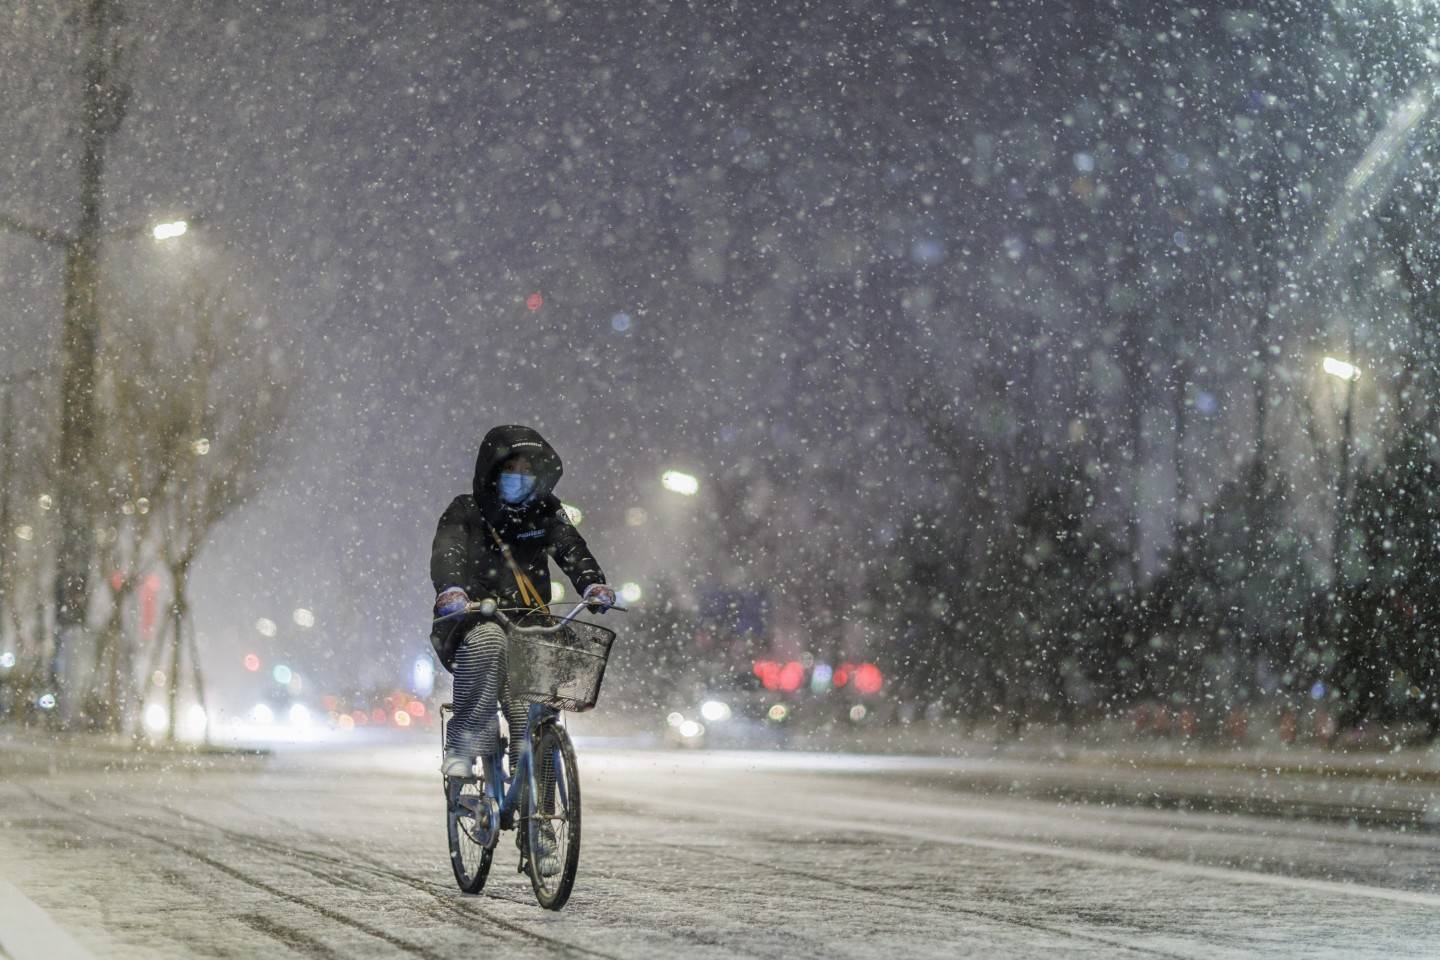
[564, 669]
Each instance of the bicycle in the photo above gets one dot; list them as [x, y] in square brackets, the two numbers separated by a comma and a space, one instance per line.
[555, 667]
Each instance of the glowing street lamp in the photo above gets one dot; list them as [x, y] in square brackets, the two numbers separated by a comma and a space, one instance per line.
[684, 484]
[1340, 369]
[156, 718]
[169, 230]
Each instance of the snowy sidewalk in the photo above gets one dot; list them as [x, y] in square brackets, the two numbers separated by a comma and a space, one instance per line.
[1397, 788]
[1113, 744]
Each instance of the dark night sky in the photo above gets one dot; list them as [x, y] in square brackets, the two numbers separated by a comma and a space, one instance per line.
[391, 182]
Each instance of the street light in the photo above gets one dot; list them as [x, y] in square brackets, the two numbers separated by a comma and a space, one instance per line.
[1340, 369]
[170, 229]
[684, 484]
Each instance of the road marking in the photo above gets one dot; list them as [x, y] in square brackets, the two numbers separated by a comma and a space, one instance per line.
[1101, 858]
[28, 933]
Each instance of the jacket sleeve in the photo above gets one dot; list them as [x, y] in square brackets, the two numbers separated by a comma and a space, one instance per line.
[449, 549]
[571, 552]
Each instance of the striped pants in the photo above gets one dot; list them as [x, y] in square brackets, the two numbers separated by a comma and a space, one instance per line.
[479, 669]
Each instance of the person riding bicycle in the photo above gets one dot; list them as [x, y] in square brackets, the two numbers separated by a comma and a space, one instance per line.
[496, 542]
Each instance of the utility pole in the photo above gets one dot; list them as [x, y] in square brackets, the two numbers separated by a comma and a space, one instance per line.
[106, 97]
[1342, 488]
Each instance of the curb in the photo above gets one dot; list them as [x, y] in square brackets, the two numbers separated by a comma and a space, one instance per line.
[29, 933]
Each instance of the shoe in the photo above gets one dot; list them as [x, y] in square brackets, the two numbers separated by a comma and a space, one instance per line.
[458, 766]
[545, 850]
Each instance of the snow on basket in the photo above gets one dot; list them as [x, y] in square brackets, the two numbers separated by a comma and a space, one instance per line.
[563, 670]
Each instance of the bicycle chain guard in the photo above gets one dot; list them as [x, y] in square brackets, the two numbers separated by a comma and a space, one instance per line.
[484, 812]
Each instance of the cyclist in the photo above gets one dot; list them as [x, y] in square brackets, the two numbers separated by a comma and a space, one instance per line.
[496, 541]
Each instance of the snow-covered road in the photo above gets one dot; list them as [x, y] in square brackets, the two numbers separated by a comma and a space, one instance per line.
[341, 853]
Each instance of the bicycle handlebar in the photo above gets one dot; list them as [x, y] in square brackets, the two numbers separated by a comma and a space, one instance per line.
[490, 609]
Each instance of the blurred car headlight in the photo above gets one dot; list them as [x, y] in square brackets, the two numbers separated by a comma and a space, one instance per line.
[689, 729]
[715, 711]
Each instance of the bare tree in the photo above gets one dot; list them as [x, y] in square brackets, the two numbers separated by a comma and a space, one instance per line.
[131, 468]
[26, 540]
[9, 481]
[105, 98]
[207, 388]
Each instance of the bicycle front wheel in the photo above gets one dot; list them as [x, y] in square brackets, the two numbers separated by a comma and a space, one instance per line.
[552, 822]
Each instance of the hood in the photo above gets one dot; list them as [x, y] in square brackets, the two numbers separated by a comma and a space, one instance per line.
[499, 445]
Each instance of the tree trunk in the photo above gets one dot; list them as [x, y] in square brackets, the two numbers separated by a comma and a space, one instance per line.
[122, 681]
[105, 674]
[1262, 397]
[198, 678]
[1179, 398]
[7, 459]
[177, 637]
[1132, 360]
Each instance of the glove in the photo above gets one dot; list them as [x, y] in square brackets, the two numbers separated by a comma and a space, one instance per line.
[452, 600]
[599, 597]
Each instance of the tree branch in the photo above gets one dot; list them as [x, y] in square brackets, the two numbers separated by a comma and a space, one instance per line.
[56, 238]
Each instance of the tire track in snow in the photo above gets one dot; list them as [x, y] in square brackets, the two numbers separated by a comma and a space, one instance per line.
[294, 939]
[445, 900]
[329, 913]
[1080, 855]
[988, 915]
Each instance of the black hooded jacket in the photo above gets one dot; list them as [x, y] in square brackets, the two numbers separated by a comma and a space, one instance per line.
[465, 555]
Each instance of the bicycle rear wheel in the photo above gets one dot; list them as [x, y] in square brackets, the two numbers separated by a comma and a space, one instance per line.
[556, 810]
[464, 812]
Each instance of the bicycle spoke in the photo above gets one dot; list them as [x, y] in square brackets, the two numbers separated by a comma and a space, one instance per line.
[553, 823]
[470, 857]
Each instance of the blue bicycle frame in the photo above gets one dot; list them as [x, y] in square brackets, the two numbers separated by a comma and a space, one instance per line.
[505, 790]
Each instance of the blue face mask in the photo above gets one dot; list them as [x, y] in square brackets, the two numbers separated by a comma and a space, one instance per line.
[516, 487]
